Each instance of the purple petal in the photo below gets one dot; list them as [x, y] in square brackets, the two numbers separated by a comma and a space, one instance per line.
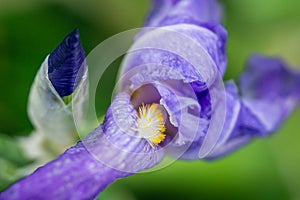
[66, 64]
[168, 12]
[268, 78]
[74, 175]
[244, 130]
[202, 13]
[83, 171]
[270, 92]
[232, 111]
[132, 154]
[156, 61]
[184, 110]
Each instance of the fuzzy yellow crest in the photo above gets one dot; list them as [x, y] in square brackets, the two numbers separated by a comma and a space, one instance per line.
[150, 124]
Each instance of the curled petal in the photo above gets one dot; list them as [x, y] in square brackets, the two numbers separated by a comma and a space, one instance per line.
[232, 111]
[269, 93]
[184, 51]
[233, 108]
[184, 111]
[268, 78]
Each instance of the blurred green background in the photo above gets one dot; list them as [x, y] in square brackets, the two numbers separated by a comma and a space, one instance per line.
[265, 169]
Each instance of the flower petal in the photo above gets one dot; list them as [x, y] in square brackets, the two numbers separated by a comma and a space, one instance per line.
[74, 175]
[106, 154]
[184, 110]
[184, 51]
[121, 139]
[174, 12]
[232, 111]
[202, 13]
[270, 90]
[269, 93]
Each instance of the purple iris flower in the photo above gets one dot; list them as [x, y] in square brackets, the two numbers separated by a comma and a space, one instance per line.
[166, 107]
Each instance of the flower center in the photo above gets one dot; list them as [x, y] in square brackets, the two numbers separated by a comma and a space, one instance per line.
[150, 124]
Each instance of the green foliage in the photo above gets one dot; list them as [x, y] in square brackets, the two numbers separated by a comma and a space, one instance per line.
[12, 160]
[11, 151]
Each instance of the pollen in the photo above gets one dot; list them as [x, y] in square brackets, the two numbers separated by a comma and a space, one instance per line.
[150, 124]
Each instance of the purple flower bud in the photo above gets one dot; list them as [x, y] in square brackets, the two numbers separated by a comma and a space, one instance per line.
[66, 64]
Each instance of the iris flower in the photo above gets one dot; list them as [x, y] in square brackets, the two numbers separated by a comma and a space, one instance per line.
[165, 105]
